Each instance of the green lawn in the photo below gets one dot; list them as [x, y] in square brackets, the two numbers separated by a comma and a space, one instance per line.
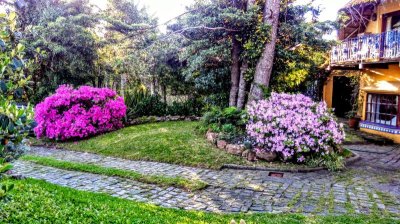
[351, 137]
[34, 201]
[176, 142]
[169, 142]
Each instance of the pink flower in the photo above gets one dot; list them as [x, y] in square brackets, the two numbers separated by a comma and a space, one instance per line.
[80, 113]
[293, 125]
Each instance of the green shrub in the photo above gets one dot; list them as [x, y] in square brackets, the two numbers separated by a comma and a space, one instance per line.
[191, 107]
[230, 122]
[141, 103]
[14, 118]
[332, 161]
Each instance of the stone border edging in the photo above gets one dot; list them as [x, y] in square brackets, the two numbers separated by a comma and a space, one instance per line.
[348, 162]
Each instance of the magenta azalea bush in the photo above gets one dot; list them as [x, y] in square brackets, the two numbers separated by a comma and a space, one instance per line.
[293, 126]
[79, 113]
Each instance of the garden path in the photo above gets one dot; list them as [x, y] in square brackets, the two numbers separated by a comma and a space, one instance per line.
[368, 186]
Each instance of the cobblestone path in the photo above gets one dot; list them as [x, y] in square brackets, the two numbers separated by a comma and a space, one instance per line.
[369, 186]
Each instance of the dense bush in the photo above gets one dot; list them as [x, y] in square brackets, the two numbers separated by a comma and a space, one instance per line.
[74, 114]
[191, 107]
[141, 103]
[293, 126]
[15, 120]
[230, 122]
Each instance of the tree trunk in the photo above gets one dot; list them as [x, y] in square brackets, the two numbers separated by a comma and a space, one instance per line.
[265, 63]
[153, 86]
[242, 86]
[235, 72]
[164, 93]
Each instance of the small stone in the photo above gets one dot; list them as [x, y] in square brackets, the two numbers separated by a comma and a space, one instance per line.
[267, 156]
[221, 144]
[249, 155]
[235, 149]
[212, 137]
[160, 119]
[175, 118]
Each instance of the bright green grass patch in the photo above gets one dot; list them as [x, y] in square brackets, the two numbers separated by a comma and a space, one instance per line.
[170, 142]
[35, 201]
[351, 137]
[191, 185]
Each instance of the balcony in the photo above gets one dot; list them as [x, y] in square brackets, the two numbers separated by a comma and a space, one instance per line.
[370, 48]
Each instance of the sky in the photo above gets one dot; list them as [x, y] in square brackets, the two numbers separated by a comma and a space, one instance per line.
[168, 9]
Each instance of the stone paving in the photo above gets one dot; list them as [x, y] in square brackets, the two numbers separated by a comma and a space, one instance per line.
[369, 186]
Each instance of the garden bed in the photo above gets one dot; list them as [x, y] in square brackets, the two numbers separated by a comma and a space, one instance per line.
[241, 151]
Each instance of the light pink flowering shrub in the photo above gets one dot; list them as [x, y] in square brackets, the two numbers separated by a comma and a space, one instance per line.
[79, 113]
[293, 126]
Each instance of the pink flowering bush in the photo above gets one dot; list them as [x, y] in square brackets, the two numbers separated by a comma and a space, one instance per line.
[79, 113]
[293, 126]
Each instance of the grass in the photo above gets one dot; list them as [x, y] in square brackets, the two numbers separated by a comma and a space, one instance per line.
[35, 201]
[191, 185]
[169, 142]
[351, 137]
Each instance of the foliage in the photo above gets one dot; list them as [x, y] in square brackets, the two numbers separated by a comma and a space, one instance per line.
[333, 161]
[207, 33]
[15, 120]
[301, 54]
[229, 121]
[293, 126]
[80, 113]
[144, 104]
[141, 103]
[180, 182]
[191, 107]
[59, 35]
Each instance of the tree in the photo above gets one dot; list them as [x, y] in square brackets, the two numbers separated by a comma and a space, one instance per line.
[212, 25]
[14, 120]
[264, 67]
[301, 54]
[64, 33]
[129, 33]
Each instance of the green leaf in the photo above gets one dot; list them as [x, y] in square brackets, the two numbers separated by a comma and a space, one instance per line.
[20, 47]
[10, 187]
[3, 87]
[4, 122]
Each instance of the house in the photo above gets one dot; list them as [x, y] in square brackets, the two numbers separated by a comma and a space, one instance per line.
[365, 66]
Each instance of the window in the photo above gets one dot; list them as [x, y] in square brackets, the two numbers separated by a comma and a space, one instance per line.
[382, 109]
[391, 21]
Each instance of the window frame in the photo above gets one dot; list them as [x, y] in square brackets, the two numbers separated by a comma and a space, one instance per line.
[369, 112]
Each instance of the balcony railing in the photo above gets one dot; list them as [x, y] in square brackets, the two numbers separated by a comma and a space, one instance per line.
[368, 48]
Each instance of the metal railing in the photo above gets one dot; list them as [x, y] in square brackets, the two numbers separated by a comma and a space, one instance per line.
[368, 48]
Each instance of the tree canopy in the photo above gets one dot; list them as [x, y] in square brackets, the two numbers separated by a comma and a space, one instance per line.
[212, 52]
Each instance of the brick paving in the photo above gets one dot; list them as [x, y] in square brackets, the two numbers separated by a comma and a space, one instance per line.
[370, 185]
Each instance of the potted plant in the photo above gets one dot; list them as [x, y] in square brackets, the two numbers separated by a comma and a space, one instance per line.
[354, 119]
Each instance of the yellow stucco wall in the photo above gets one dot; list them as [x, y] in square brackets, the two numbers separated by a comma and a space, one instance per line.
[372, 80]
[383, 8]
